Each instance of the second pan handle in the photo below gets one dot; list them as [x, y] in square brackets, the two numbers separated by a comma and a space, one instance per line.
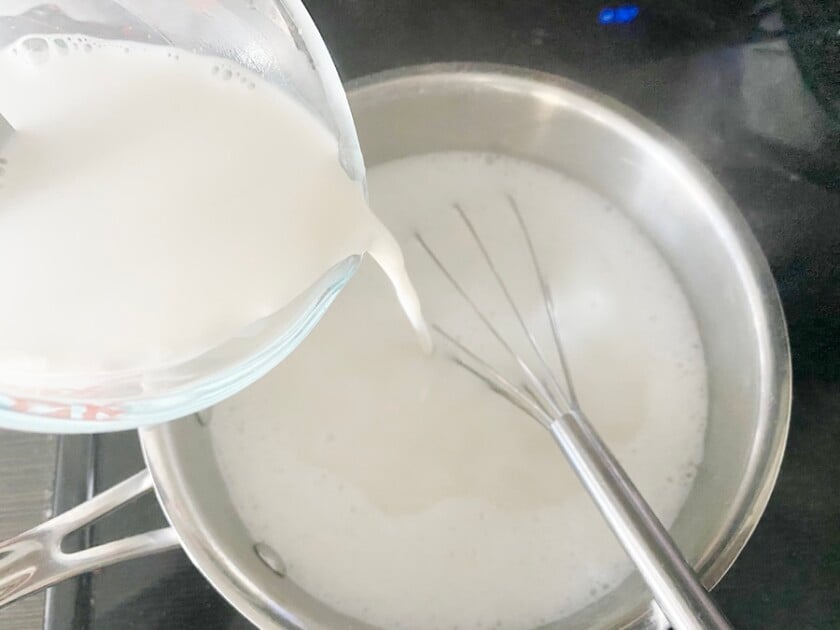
[34, 559]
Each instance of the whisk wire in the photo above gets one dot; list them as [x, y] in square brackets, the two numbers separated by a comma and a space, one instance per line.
[497, 381]
[558, 388]
[526, 370]
[548, 301]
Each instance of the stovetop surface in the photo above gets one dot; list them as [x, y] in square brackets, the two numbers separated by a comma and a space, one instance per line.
[751, 89]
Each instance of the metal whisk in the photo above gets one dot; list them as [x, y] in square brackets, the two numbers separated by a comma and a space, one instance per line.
[549, 398]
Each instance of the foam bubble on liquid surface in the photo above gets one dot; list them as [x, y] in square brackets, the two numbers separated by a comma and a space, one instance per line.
[396, 487]
[152, 207]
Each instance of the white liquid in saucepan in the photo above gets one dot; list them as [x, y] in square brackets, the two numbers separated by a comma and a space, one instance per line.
[398, 488]
[154, 203]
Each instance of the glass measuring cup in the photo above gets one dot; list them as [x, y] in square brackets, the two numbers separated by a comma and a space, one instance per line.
[274, 38]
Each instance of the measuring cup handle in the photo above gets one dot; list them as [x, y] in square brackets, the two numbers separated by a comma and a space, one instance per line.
[34, 560]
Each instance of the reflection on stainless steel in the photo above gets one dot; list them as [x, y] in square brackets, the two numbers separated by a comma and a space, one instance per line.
[693, 223]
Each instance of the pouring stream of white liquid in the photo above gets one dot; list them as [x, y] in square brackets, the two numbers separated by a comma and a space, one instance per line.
[6, 131]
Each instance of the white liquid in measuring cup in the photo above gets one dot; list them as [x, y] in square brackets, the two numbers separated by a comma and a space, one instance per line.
[154, 203]
[398, 488]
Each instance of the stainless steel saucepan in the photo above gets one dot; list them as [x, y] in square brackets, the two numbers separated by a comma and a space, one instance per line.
[671, 197]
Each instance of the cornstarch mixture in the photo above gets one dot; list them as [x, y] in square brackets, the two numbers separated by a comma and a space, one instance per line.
[396, 486]
[155, 203]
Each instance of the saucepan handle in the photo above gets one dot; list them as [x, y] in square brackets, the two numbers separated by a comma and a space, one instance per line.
[34, 559]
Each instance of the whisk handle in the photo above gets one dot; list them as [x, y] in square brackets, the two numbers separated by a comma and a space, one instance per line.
[675, 586]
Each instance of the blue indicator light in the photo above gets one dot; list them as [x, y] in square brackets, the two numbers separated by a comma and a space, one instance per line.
[606, 16]
[624, 14]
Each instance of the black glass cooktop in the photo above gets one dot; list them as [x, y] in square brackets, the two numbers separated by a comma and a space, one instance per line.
[752, 88]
